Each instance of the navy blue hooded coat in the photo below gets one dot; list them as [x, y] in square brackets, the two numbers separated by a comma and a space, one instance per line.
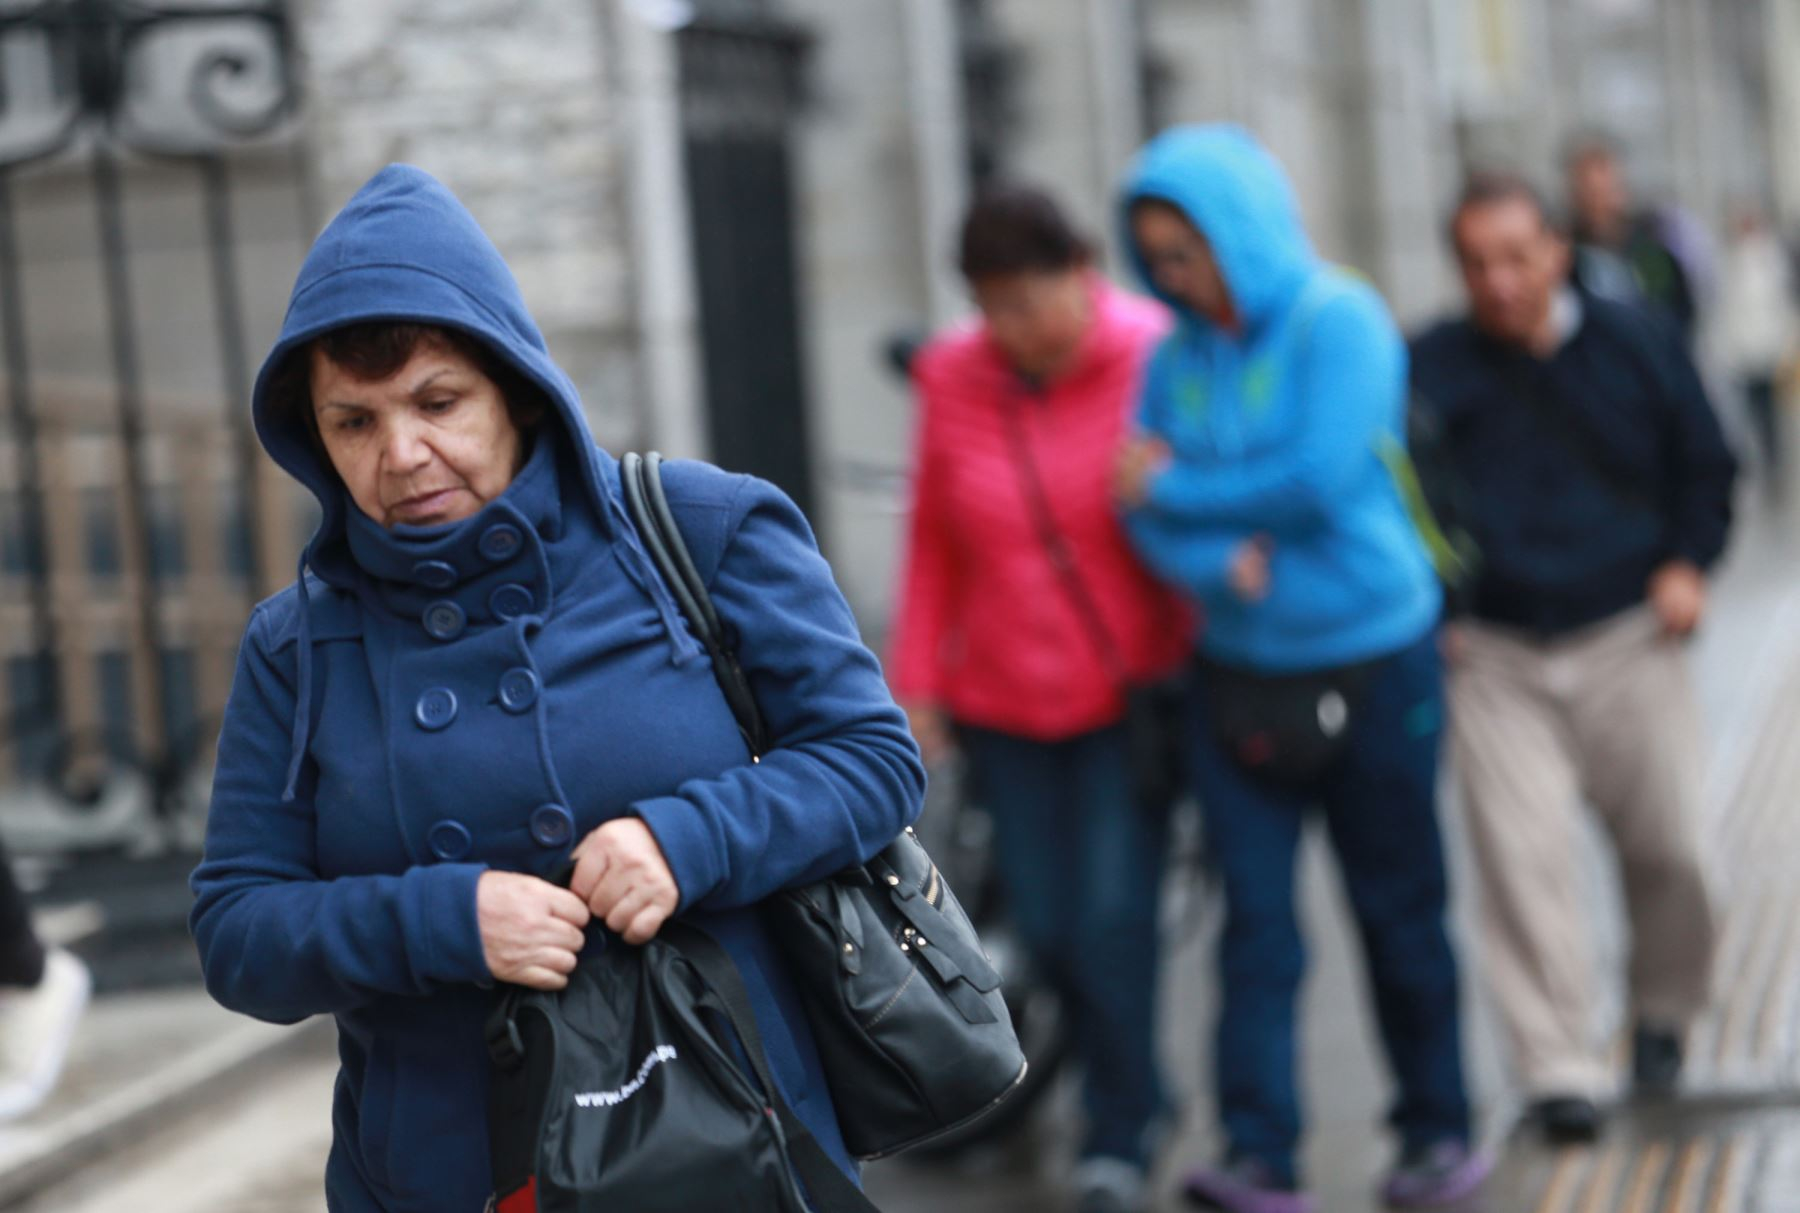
[429, 703]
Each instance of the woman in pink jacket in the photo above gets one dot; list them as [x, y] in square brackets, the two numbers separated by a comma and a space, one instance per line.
[1024, 618]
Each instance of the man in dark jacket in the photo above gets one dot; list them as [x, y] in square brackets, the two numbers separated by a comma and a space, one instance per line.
[1642, 256]
[1598, 486]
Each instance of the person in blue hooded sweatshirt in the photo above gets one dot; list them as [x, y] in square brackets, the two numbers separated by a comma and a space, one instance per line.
[478, 678]
[1261, 483]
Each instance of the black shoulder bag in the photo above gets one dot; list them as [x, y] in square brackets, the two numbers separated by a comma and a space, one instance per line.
[902, 1000]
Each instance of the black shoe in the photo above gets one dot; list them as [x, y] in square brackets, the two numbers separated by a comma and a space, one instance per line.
[1567, 1120]
[1656, 1059]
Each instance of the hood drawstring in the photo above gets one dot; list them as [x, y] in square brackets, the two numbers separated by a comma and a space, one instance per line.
[303, 683]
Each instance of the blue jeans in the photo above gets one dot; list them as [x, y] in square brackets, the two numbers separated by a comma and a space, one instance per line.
[1379, 806]
[1081, 864]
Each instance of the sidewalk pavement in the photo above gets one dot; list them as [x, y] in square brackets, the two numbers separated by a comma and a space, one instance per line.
[141, 1063]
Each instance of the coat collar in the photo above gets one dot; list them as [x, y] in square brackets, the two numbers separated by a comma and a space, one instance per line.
[492, 567]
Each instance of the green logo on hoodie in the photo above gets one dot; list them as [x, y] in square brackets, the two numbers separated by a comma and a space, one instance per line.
[1190, 396]
[1259, 385]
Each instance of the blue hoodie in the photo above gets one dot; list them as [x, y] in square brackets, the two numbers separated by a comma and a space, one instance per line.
[1278, 429]
[426, 704]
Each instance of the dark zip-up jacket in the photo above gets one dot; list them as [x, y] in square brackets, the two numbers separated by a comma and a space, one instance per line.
[1585, 471]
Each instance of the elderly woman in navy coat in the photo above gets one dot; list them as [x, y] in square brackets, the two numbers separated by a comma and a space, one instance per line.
[478, 677]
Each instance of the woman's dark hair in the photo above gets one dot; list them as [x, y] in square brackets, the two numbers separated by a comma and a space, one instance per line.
[376, 349]
[1017, 229]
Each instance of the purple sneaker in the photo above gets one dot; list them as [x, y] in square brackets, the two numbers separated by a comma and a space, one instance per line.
[1244, 1185]
[1439, 1175]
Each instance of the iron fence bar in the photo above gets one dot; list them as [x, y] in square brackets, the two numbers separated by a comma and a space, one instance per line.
[233, 354]
[128, 372]
[23, 412]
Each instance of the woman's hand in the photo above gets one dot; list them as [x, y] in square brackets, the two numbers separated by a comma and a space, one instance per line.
[931, 729]
[531, 931]
[1248, 574]
[1139, 461]
[621, 875]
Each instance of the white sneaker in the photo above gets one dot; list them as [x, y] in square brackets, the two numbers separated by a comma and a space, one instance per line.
[36, 1028]
[1110, 1185]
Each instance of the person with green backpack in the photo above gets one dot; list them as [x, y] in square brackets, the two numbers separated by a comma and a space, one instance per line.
[1263, 483]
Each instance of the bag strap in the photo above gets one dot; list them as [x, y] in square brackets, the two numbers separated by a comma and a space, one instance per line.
[1056, 547]
[828, 1189]
[648, 505]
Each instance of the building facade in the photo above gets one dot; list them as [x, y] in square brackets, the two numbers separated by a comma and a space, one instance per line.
[723, 212]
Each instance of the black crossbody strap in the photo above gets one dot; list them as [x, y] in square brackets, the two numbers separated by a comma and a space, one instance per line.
[1062, 559]
[648, 505]
[827, 1187]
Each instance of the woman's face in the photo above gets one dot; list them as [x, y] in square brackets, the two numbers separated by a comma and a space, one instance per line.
[432, 443]
[1036, 318]
[1180, 261]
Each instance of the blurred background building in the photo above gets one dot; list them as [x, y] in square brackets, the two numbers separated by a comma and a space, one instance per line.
[721, 211]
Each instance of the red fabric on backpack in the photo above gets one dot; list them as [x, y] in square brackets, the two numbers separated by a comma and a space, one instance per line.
[520, 1200]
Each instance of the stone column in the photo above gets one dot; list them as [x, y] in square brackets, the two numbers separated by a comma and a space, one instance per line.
[671, 400]
[1782, 44]
[881, 181]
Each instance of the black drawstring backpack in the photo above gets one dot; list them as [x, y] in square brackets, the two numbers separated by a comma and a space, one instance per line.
[643, 1086]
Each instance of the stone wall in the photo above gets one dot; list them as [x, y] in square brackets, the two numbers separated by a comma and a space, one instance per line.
[513, 105]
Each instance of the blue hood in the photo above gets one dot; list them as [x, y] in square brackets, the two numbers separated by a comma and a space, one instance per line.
[405, 249]
[1239, 197]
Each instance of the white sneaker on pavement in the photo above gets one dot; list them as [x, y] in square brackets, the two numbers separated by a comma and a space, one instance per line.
[1110, 1185]
[37, 1026]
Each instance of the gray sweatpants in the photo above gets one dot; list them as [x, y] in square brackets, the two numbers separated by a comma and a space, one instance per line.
[1606, 715]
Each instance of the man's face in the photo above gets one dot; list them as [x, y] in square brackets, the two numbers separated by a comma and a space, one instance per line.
[1597, 189]
[1512, 264]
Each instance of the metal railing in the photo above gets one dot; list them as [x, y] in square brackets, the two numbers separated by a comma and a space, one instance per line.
[138, 528]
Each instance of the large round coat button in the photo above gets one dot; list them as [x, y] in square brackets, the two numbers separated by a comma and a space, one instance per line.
[436, 708]
[511, 601]
[500, 542]
[450, 840]
[552, 825]
[518, 689]
[434, 574]
[444, 620]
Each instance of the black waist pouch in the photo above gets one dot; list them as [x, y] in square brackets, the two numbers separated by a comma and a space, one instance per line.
[1288, 729]
[643, 1086]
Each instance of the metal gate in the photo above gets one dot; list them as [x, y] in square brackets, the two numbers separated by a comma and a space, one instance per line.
[740, 68]
[148, 180]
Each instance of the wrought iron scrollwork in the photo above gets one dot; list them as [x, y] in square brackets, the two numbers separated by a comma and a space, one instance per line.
[239, 83]
[213, 99]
